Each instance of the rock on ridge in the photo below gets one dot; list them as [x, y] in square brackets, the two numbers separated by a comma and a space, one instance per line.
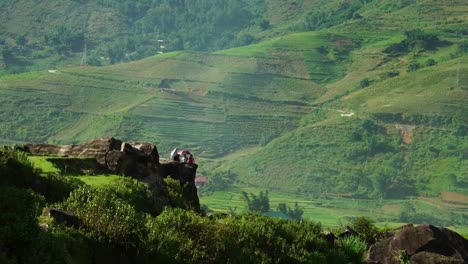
[139, 160]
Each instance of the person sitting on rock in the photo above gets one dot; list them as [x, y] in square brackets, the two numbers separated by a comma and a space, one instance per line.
[191, 160]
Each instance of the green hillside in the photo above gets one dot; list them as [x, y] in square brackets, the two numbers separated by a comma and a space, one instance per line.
[57, 33]
[192, 99]
[359, 99]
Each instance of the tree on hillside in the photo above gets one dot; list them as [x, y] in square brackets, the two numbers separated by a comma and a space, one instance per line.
[260, 203]
[416, 40]
[295, 213]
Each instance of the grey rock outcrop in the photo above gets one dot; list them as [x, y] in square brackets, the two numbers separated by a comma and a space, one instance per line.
[424, 244]
[139, 160]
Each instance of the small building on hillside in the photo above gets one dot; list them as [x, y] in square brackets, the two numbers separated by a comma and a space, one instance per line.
[200, 181]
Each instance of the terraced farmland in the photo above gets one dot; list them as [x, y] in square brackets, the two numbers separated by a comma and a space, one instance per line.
[212, 103]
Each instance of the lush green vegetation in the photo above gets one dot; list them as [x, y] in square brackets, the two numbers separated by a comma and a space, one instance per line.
[112, 227]
[115, 31]
[333, 211]
[370, 105]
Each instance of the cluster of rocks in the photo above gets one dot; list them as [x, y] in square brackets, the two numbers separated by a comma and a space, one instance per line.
[139, 160]
[423, 244]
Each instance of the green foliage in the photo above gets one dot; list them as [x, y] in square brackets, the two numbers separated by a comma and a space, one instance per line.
[18, 221]
[252, 239]
[17, 170]
[257, 203]
[365, 227]
[390, 74]
[409, 214]
[191, 25]
[65, 40]
[365, 82]
[327, 17]
[430, 62]
[218, 180]
[176, 194]
[403, 257]
[295, 213]
[416, 40]
[135, 193]
[106, 217]
[183, 236]
[413, 67]
[353, 248]
[21, 239]
[56, 188]
[406, 211]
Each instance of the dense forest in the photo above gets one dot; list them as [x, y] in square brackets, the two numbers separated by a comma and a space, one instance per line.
[143, 28]
[117, 31]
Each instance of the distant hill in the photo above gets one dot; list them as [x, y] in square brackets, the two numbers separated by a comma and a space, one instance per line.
[39, 36]
[360, 98]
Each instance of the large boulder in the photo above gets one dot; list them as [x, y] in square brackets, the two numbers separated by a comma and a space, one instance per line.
[63, 217]
[420, 244]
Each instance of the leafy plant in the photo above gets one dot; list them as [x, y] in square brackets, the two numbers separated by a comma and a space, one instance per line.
[416, 40]
[402, 256]
[106, 217]
[257, 203]
[175, 191]
[365, 227]
[295, 213]
[353, 248]
[430, 62]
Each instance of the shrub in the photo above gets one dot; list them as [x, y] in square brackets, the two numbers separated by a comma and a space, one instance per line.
[413, 66]
[186, 237]
[365, 227]
[416, 40]
[18, 223]
[15, 168]
[56, 188]
[365, 82]
[135, 193]
[353, 249]
[260, 203]
[295, 213]
[390, 74]
[430, 62]
[176, 191]
[106, 217]
[182, 236]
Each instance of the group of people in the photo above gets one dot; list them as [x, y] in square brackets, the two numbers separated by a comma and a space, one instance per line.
[185, 158]
[182, 156]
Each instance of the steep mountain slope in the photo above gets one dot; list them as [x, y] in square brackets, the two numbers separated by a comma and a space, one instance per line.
[372, 103]
[404, 136]
[394, 126]
[219, 101]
